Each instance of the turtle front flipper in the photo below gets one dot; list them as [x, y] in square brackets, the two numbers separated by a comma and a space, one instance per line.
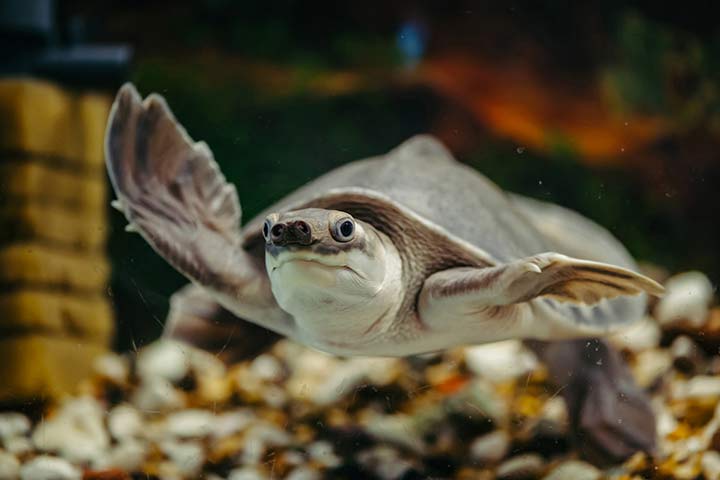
[173, 193]
[610, 416]
[544, 296]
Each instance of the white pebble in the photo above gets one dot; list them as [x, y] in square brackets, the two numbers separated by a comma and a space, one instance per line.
[711, 464]
[124, 421]
[230, 423]
[687, 298]
[384, 461]
[490, 448]
[190, 423]
[322, 452]
[650, 365]
[396, 429]
[9, 466]
[113, 367]
[267, 367]
[527, 465]
[128, 455]
[500, 361]
[639, 336]
[701, 386]
[13, 425]
[76, 432]
[246, 473]
[188, 457]
[205, 364]
[303, 473]
[46, 467]
[574, 470]
[164, 359]
[157, 395]
[18, 445]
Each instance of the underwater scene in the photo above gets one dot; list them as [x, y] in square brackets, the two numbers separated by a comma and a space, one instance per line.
[359, 240]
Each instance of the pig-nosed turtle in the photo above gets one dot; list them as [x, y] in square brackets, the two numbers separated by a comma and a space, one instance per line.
[401, 254]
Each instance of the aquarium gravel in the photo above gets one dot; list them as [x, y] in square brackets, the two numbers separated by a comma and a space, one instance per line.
[169, 411]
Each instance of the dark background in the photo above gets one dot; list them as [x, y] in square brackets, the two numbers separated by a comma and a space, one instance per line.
[611, 108]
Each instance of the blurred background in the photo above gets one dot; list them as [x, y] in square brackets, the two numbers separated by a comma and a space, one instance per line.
[611, 108]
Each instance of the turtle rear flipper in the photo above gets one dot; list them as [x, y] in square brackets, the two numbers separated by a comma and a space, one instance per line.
[195, 317]
[610, 415]
[173, 193]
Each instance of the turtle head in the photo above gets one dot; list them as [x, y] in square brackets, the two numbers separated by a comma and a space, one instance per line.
[335, 274]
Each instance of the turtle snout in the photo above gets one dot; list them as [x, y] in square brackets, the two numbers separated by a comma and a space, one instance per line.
[293, 232]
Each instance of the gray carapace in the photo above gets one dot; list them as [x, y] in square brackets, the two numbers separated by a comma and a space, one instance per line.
[406, 253]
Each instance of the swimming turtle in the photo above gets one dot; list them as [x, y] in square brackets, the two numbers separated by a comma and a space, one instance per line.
[401, 254]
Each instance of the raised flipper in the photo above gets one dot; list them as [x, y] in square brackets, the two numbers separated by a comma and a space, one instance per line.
[196, 318]
[544, 296]
[610, 416]
[173, 193]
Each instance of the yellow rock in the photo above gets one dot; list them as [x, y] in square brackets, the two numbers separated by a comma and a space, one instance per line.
[86, 317]
[35, 366]
[94, 109]
[40, 118]
[41, 265]
[54, 224]
[43, 183]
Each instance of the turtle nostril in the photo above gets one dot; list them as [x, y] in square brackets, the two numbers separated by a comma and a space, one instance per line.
[303, 227]
[277, 231]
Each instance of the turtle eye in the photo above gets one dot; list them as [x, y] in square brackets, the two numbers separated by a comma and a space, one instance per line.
[266, 229]
[344, 230]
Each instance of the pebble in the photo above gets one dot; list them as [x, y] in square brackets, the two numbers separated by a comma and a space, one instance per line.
[640, 336]
[500, 361]
[246, 473]
[46, 467]
[687, 356]
[230, 423]
[650, 365]
[18, 445]
[398, 429]
[303, 473]
[491, 447]
[574, 470]
[267, 367]
[187, 457]
[9, 466]
[686, 300]
[190, 423]
[322, 452]
[164, 359]
[124, 421]
[157, 395]
[710, 463]
[13, 425]
[77, 432]
[112, 367]
[128, 455]
[385, 462]
[701, 386]
[204, 364]
[524, 466]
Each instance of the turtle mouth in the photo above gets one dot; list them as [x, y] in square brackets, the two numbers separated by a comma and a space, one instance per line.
[310, 261]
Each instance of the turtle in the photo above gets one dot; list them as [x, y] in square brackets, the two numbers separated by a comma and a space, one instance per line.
[401, 254]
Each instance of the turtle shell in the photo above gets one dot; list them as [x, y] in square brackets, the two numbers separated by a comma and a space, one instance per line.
[419, 183]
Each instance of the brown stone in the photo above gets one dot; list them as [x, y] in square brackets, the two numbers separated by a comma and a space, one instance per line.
[46, 266]
[52, 224]
[34, 366]
[39, 182]
[42, 119]
[88, 318]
